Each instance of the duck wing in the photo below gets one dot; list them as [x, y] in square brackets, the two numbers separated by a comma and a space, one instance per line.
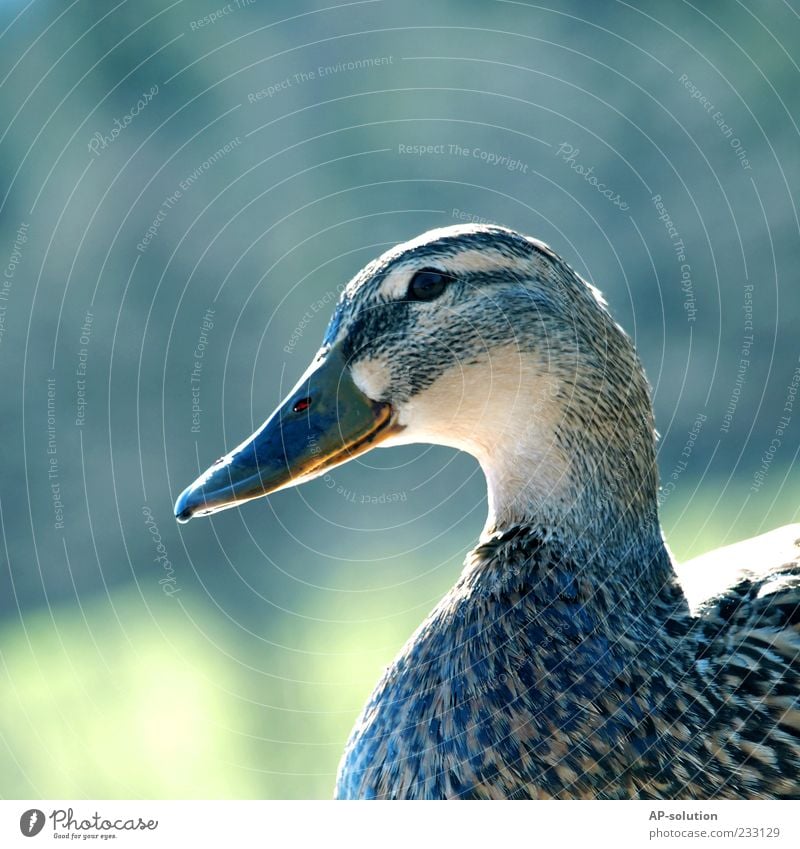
[756, 560]
[746, 604]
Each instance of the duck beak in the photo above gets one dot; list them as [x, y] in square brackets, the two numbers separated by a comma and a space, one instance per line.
[325, 420]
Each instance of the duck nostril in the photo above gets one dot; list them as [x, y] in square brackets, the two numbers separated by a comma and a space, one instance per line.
[301, 405]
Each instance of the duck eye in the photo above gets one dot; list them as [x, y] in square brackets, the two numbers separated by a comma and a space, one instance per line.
[427, 284]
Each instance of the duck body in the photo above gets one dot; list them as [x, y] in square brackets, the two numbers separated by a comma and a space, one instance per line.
[547, 685]
[569, 660]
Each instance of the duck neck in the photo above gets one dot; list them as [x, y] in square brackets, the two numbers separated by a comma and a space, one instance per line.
[598, 503]
[540, 563]
[577, 460]
[595, 517]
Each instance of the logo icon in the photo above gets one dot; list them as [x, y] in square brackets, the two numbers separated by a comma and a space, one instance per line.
[31, 822]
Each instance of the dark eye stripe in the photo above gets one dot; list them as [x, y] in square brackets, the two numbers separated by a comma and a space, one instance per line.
[427, 284]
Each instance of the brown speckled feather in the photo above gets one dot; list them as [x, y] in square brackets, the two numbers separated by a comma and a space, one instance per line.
[569, 661]
[549, 686]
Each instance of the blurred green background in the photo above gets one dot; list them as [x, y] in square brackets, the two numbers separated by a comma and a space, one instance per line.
[159, 161]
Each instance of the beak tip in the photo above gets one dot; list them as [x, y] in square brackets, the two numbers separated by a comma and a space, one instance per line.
[184, 509]
[288, 449]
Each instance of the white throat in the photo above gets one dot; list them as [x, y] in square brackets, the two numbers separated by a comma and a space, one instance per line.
[505, 411]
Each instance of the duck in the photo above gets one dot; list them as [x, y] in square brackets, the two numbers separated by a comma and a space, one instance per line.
[573, 658]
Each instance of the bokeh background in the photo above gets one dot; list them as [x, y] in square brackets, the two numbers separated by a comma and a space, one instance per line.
[192, 182]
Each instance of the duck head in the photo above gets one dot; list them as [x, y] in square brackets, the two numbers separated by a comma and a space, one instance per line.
[479, 338]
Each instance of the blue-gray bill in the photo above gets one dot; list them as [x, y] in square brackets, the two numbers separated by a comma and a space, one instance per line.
[325, 420]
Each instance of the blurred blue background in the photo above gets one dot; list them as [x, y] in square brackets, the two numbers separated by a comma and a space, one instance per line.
[186, 186]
